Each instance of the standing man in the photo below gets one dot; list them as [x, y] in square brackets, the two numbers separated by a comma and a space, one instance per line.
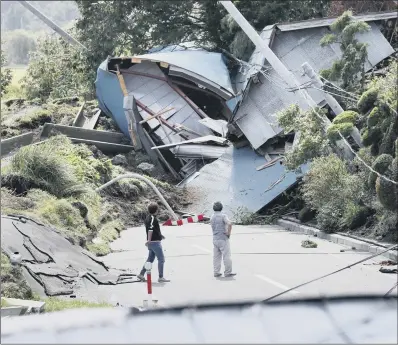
[154, 243]
[221, 227]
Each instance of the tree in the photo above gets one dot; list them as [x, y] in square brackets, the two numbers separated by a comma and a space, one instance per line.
[18, 45]
[56, 69]
[5, 75]
[350, 69]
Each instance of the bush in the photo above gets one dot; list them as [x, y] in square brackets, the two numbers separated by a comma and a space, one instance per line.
[387, 194]
[355, 215]
[329, 218]
[374, 117]
[372, 136]
[110, 231]
[306, 214]
[347, 116]
[344, 128]
[99, 249]
[382, 163]
[367, 100]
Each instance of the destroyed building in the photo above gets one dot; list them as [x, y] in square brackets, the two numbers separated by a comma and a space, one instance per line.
[214, 130]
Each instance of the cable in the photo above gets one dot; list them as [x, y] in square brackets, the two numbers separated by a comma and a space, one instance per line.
[335, 94]
[391, 290]
[329, 274]
[343, 138]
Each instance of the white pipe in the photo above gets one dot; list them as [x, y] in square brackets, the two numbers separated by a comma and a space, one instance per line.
[148, 182]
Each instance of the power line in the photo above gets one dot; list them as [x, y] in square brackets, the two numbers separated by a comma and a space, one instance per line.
[345, 141]
[335, 94]
[391, 290]
[331, 273]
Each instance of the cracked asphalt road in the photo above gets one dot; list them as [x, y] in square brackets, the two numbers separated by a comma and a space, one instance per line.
[267, 260]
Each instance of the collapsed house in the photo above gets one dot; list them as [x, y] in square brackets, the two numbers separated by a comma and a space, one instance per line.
[216, 131]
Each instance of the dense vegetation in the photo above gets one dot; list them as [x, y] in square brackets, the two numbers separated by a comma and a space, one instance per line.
[347, 194]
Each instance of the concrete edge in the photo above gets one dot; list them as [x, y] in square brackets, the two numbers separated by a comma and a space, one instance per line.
[8, 145]
[338, 239]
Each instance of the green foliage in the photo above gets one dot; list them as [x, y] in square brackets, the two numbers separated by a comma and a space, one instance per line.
[382, 163]
[64, 217]
[374, 117]
[5, 76]
[57, 304]
[13, 284]
[347, 116]
[355, 215]
[350, 69]
[387, 194]
[110, 231]
[47, 170]
[57, 69]
[367, 100]
[328, 188]
[35, 119]
[334, 129]
[312, 141]
[306, 214]
[99, 249]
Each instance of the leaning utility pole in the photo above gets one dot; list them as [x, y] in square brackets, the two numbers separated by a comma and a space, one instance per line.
[275, 63]
[52, 25]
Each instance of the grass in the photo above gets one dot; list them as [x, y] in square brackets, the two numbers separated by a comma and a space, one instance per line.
[4, 303]
[14, 89]
[57, 304]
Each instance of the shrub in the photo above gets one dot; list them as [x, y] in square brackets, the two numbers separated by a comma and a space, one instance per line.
[355, 215]
[306, 214]
[371, 136]
[329, 218]
[309, 244]
[382, 163]
[374, 117]
[387, 194]
[110, 231]
[347, 116]
[99, 249]
[344, 128]
[367, 100]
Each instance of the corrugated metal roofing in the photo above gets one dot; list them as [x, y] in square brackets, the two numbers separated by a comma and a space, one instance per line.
[313, 23]
[205, 64]
[234, 180]
[294, 48]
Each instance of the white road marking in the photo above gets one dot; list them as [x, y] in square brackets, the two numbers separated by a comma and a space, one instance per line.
[273, 282]
[201, 248]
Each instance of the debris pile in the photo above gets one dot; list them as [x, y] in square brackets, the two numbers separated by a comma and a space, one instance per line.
[213, 128]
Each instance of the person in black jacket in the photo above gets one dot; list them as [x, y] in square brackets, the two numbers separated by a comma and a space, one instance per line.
[154, 243]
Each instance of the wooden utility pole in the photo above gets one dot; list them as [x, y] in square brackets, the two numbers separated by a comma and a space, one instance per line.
[275, 63]
[51, 24]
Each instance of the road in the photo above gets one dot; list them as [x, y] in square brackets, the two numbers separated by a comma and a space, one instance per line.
[267, 260]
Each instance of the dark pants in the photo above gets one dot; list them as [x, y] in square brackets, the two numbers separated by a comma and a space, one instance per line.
[155, 250]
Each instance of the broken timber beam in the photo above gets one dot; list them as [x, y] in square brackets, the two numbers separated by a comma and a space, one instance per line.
[132, 132]
[151, 112]
[156, 115]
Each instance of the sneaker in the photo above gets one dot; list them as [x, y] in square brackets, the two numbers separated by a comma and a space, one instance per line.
[141, 278]
[163, 280]
[216, 275]
[229, 274]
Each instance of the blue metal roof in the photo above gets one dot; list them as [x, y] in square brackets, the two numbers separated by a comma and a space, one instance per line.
[234, 180]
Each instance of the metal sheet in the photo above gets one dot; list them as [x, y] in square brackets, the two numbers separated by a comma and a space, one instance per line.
[205, 139]
[208, 65]
[305, 24]
[199, 151]
[218, 126]
[233, 180]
